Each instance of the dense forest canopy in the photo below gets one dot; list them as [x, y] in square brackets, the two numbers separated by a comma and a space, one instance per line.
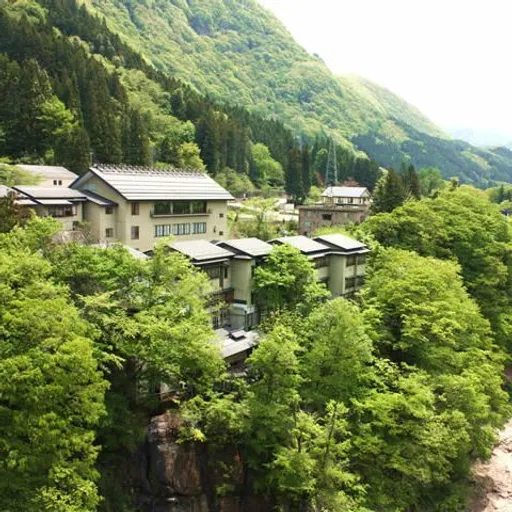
[378, 404]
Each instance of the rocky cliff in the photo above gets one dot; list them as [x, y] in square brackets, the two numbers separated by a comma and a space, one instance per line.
[187, 477]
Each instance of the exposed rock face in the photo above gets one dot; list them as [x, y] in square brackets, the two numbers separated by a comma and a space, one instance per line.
[493, 480]
[185, 477]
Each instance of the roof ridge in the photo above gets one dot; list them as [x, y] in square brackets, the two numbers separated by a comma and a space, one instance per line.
[148, 170]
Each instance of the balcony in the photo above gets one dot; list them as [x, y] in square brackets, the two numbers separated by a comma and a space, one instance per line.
[160, 215]
[180, 209]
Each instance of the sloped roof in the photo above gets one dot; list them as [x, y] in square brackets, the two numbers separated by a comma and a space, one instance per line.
[302, 243]
[346, 192]
[50, 172]
[147, 183]
[251, 246]
[201, 250]
[341, 241]
[35, 192]
[97, 199]
[5, 190]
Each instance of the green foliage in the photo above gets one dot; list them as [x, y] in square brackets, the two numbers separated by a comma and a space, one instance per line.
[51, 388]
[266, 170]
[389, 193]
[287, 281]
[459, 224]
[10, 213]
[237, 184]
[430, 181]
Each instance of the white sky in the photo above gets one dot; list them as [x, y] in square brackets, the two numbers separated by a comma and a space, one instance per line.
[450, 58]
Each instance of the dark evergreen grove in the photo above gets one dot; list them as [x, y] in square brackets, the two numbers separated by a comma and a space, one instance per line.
[70, 99]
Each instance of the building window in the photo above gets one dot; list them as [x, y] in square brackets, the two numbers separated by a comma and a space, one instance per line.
[55, 182]
[321, 262]
[225, 272]
[198, 228]
[361, 259]
[109, 233]
[180, 207]
[135, 232]
[307, 224]
[221, 233]
[60, 182]
[359, 281]
[135, 208]
[198, 207]
[109, 210]
[350, 282]
[163, 230]
[326, 216]
[351, 261]
[62, 211]
[213, 272]
[162, 208]
[221, 215]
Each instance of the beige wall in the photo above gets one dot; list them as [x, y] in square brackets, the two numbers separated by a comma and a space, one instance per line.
[123, 220]
[67, 222]
[241, 271]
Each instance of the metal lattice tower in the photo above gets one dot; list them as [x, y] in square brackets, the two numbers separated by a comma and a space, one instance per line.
[331, 172]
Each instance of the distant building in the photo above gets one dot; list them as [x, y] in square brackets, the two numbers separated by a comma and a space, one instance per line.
[50, 175]
[64, 204]
[339, 206]
[138, 206]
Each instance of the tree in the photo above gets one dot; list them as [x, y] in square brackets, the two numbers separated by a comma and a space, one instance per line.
[430, 181]
[462, 225]
[10, 213]
[52, 391]
[336, 362]
[287, 281]
[412, 182]
[389, 193]
[267, 171]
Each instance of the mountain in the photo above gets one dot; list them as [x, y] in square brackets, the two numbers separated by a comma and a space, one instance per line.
[239, 53]
[484, 138]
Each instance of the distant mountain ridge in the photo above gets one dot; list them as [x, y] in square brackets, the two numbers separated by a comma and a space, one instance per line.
[239, 52]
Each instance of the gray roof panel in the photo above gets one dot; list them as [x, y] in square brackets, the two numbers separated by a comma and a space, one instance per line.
[35, 192]
[346, 192]
[201, 250]
[303, 243]
[341, 241]
[97, 199]
[146, 183]
[252, 246]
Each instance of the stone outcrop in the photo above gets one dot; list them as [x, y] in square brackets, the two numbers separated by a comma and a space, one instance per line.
[493, 479]
[189, 477]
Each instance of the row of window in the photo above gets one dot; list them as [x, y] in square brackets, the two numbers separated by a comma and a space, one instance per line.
[353, 282]
[179, 207]
[62, 211]
[196, 228]
[360, 259]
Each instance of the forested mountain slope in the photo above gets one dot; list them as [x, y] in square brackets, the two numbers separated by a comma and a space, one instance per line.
[74, 89]
[238, 52]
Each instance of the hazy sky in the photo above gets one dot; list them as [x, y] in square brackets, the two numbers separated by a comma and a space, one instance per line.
[450, 58]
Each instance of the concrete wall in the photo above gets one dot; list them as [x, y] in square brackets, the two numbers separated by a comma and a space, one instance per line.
[312, 217]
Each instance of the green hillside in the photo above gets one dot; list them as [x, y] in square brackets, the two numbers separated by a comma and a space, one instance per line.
[238, 52]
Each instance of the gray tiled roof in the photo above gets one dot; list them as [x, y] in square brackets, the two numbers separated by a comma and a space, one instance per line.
[341, 241]
[201, 250]
[146, 183]
[49, 171]
[21, 199]
[303, 243]
[344, 192]
[252, 246]
[35, 192]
